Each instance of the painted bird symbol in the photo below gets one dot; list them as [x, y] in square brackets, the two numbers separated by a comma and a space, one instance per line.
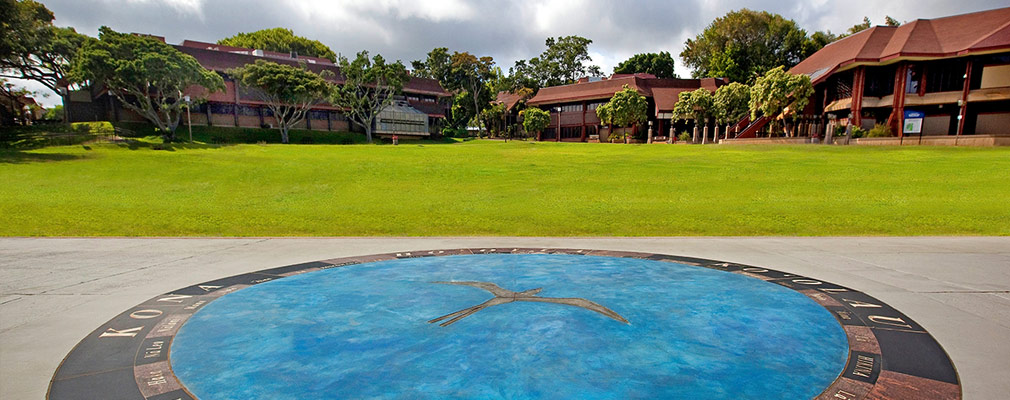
[504, 296]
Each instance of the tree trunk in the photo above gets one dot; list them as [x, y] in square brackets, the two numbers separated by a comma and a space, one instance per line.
[284, 133]
[64, 93]
[368, 132]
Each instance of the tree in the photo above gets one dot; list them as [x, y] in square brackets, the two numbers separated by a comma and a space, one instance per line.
[659, 64]
[437, 66]
[779, 93]
[744, 44]
[289, 92]
[731, 102]
[698, 105]
[606, 115]
[867, 24]
[280, 40]
[368, 88]
[563, 62]
[32, 48]
[628, 107]
[144, 74]
[472, 75]
[535, 120]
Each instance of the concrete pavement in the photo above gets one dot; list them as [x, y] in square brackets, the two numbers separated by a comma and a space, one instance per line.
[54, 292]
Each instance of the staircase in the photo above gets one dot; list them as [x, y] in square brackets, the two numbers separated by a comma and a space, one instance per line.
[752, 128]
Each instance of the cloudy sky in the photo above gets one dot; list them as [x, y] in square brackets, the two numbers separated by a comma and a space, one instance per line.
[505, 30]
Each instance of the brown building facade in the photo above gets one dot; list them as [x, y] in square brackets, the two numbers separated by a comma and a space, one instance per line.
[955, 70]
[238, 107]
[573, 107]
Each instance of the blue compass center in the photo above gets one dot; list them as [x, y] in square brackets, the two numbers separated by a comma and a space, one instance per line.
[363, 331]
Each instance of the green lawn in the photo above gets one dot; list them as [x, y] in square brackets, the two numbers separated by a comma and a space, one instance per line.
[493, 188]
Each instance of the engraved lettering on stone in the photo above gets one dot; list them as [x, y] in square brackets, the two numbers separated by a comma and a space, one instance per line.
[156, 378]
[833, 290]
[154, 350]
[195, 305]
[263, 280]
[111, 332]
[857, 303]
[864, 366]
[809, 282]
[893, 321]
[146, 314]
[845, 315]
[174, 298]
[208, 288]
[843, 395]
[755, 270]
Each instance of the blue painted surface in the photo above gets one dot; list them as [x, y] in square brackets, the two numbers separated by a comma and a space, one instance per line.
[361, 332]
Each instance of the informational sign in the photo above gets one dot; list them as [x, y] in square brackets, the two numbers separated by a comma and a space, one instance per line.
[913, 122]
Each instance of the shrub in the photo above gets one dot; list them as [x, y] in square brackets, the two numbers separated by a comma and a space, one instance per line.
[858, 132]
[880, 130]
[684, 136]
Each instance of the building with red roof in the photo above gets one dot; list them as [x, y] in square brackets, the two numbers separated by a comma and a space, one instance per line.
[954, 72]
[573, 107]
[238, 107]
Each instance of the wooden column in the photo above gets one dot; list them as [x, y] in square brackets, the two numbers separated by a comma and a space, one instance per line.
[963, 114]
[259, 110]
[209, 123]
[329, 120]
[583, 122]
[897, 119]
[234, 110]
[858, 81]
[308, 120]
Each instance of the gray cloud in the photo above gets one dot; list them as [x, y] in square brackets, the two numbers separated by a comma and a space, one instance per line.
[508, 31]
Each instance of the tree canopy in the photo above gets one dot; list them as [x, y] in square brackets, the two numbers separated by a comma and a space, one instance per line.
[659, 64]
[698, 105]
[144, 74]
[744, 44]
[780, 93]
[32, 48]
[866, 24]
[288, 91]
[437, 65]
[369, 86]
[472, 74]
[563, 62]
[626, 108]
[732, 102]
[280, 40]
[535, 119]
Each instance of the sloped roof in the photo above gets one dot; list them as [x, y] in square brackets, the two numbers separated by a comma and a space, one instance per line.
[508, 99]
[664, 91]
[952, 36]
[222, 60]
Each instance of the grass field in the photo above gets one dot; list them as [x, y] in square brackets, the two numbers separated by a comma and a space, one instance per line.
[494, 188]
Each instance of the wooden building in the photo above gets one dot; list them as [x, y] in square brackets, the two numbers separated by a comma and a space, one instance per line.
[573, 107]
[955, 70]
[238, 107]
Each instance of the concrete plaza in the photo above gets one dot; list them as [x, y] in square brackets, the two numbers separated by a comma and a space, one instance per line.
[54, 292]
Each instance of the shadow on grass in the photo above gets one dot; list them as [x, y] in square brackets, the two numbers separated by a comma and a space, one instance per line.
[137, 145]
[20, 157]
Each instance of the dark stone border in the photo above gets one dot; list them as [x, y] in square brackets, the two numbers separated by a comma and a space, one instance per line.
[890, 356]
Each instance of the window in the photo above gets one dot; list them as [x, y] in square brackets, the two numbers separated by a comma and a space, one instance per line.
[594, 106]
[945, 76]
[221, 108]
[571, 108]
[912, 79]
[879, 82]
[570, 132]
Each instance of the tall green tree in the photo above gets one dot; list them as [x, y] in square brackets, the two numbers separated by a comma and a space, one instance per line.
[280, 40]
[438, 66]
[144, 74]
[563, 62]
[779, 93]
[368, 88]
[472, 74]
[32, 48]
[628, 107]
[288, 91]
[659, 64]
[744, 44]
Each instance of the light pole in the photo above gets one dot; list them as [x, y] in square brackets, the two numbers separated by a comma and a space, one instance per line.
[189, 119]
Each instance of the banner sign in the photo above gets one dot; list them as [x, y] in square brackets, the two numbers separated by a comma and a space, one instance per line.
[913, 122]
